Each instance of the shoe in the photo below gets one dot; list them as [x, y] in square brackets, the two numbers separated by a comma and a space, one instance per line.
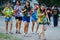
[16, 31]
[25, 35]
[10, 32]
[43, 39]
[19, 33]
[6, 32]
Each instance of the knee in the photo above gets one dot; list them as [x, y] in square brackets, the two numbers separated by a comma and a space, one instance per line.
[44, 28]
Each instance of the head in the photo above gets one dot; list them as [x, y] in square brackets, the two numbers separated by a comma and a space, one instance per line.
[27, 3]
[42, 7]
[36, 6]
[18, 3]
[54, 7]
[48, 10]
[8, 4]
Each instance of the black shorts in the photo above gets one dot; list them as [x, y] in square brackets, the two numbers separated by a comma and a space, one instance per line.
[19, 18]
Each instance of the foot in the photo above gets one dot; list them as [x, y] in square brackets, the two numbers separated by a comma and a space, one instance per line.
[55, 26]
[10, 32]
[32, 32]
[6, 32]
[19, 33]
[43, 39]
[36, 33]
[26, 35]
[16, 31]
[39, 37]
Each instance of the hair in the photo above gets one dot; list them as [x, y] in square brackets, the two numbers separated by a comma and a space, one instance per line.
[7, 2]
[48, 9]
[55, 5]
[19, 2]
[40, 8]
[28, 3]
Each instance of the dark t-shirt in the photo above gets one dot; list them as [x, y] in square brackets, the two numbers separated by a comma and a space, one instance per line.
[27, 12]
[55, 12]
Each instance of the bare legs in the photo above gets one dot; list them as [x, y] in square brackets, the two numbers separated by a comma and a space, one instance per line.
[26, 27]
[7, 26]
[42, 33]
[18, 26]
[33, 23]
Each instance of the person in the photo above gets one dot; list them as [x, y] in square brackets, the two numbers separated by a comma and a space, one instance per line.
[34, 16]
[42, 21]
[49, 12]
[26, 18]
[55, 13]
[14, 2]
[8, 16]
[18, 16]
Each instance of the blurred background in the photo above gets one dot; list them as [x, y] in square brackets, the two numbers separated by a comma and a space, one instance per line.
[48, 3]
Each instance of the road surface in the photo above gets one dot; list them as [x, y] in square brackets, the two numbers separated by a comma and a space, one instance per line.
[52, 33]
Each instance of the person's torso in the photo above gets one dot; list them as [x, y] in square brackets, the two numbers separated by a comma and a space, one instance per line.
[34, 14]
[19, 12]
[8, 12]
[55, 12]
[27, 12]
[41, 18]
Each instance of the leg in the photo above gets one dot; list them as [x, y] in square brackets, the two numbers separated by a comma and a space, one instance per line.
[16, 25]
[37, 27]
[10, 26]
[33, 26]
[57, 21]
[19, 25]
[26, 27]
[6, 27]
[42, 33]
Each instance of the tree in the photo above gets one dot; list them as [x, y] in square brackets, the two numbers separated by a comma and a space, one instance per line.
[49, 2]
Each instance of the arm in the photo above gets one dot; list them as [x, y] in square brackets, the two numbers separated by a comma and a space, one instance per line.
[23, 10]
[16, 9]
[4, 11]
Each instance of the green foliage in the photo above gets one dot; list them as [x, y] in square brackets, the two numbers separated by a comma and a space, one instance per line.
[49, 2]
[7, 37]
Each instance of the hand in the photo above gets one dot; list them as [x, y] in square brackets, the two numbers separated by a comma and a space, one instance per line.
[23, 11]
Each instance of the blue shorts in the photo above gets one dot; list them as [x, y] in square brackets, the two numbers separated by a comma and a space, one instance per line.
[7, 19]
[33, 18]
[27, 19]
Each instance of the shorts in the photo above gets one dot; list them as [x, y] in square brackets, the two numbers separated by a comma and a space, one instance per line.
[33, 18]
[44, 25]
[7, 19]
[19, 18]
[27, 19]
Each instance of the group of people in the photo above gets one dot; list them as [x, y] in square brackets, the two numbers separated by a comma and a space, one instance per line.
[38, 14]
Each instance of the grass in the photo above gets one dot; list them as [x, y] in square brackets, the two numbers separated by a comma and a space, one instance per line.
[7, 37]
